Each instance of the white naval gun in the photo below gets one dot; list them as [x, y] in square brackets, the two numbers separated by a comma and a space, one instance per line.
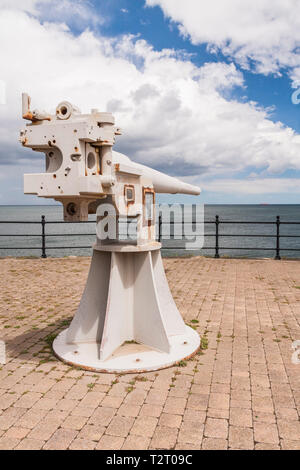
[127, 319]
[82, 171]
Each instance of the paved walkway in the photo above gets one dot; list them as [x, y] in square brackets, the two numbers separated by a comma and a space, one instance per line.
[241, 392]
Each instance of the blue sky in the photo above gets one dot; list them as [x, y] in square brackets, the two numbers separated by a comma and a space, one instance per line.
[154, 27]
[133, 17]
[201, 89]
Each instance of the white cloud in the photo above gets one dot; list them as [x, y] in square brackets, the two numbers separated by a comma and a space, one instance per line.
[29, 6]
[253, 186]
[266, 32]
[74, 13]
[174, 114]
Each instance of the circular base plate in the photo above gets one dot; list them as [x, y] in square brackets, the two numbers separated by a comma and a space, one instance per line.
[125, 248]
[130, 357]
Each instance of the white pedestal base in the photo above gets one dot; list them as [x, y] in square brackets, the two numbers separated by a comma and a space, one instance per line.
[128, 358]
[127, 320]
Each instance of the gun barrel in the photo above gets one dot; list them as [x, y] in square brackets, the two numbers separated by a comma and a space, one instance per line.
[168, 184]
[162, 183]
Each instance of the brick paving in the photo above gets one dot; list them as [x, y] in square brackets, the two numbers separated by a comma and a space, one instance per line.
[241, 392]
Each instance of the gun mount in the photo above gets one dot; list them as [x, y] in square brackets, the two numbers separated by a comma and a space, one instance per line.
[126, 298]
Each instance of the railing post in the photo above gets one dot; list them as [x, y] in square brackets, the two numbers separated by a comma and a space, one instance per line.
[159, 227]
[43, 222]
[217, 237]
[277, 238]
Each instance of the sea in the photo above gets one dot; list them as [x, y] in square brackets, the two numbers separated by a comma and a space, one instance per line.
[239, 236]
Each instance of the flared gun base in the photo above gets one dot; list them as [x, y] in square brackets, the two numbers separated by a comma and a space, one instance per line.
[127, 319]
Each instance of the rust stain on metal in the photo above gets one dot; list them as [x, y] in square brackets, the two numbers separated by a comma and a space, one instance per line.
[149, 222]
[129, 201]
[31, 117]
[98, 161]
[28, 116]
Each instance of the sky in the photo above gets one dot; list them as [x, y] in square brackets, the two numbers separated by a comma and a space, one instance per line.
[207, 91]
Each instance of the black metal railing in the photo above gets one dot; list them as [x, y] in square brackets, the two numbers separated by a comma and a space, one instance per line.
[216, 234]
[43, 235]
[217, 222]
